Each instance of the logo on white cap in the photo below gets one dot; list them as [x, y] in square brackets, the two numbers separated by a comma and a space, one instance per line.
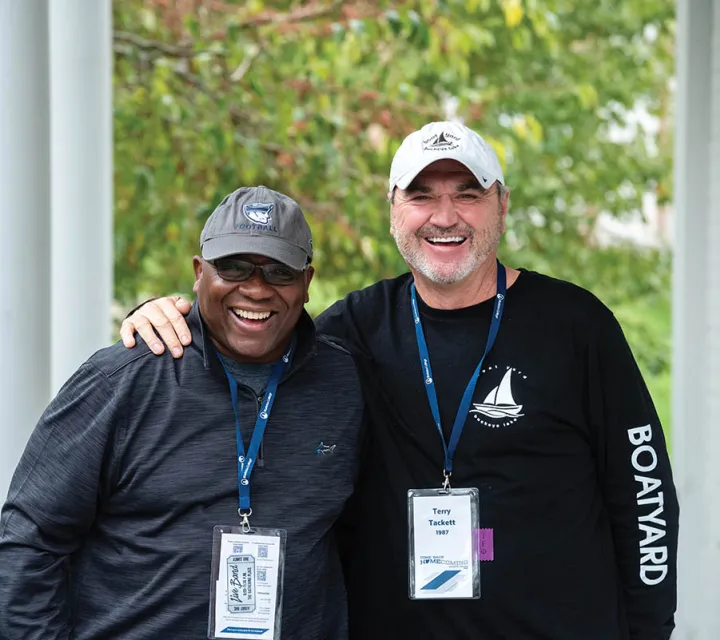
[439, 141]
[443, 141]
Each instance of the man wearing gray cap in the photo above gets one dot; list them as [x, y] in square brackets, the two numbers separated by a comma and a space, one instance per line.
[518, 482]
[162, 498]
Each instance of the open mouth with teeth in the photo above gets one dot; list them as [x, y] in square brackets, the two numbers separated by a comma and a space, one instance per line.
[446, 241]
[252, 318]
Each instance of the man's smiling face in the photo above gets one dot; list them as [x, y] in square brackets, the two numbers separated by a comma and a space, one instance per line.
[249, 321]
[445, 223]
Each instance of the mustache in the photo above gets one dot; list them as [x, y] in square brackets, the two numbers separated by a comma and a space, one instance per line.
[455, 230]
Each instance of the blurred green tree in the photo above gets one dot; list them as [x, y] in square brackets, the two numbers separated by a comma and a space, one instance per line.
[313, 98]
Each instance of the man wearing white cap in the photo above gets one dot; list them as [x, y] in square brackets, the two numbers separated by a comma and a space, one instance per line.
[518, 484]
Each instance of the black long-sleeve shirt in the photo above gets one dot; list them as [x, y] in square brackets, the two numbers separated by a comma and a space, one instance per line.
[576, 483]
[108, 526]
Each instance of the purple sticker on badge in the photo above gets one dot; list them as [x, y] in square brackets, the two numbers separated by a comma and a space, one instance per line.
[485, 544]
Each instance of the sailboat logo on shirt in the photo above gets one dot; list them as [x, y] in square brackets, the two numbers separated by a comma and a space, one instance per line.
[500, 405]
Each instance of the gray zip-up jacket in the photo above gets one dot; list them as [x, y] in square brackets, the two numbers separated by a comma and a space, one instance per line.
[107, 528]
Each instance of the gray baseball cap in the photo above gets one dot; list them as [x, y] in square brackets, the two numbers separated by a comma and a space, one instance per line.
[261, 221]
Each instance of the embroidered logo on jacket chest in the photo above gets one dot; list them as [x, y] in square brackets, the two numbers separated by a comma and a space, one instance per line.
[499, 408]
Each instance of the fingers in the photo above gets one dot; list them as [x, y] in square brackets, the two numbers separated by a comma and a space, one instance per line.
[169, 306]
[142, 322]
[162, 316]
[127, 333]
[181, 328]
[150, 317]
[183, 306]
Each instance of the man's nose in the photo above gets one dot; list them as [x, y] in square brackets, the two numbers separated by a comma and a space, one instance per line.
[256, 286]
[444, 212]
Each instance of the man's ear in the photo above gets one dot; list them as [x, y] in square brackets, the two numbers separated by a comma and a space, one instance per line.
[308, 275]
[504, 204]
[198, 268]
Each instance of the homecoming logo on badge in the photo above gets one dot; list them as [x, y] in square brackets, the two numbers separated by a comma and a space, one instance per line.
[499, 408]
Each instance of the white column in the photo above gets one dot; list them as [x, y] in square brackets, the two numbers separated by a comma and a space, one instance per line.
[81, 98]
[696, 317]
[24, 226]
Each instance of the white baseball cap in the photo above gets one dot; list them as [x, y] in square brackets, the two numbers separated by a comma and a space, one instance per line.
[444, 141]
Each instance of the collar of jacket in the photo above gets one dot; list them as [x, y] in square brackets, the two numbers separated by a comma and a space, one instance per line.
[306, 343]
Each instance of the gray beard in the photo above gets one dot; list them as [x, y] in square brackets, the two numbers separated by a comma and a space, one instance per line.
[483, 245]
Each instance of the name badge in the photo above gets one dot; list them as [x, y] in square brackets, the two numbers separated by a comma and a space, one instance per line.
[443, 559]
[247, 583]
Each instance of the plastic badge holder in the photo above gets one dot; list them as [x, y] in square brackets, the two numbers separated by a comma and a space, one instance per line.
[443, 559]
[242, 580]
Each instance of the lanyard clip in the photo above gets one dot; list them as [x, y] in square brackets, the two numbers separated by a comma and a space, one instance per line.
[446, 483]
[245, 520]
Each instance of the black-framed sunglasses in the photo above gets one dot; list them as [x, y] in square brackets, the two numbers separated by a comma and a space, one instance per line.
[234, 270]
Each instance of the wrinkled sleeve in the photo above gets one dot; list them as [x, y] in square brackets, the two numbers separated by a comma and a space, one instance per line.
[50, 507]
[637, 483]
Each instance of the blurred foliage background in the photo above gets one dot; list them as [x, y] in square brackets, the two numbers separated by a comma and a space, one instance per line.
[313, 98]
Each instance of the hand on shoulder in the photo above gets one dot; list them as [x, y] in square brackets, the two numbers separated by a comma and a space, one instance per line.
[164, 316]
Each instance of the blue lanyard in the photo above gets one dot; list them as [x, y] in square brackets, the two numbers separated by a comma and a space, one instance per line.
[246, 462]
[470, 389]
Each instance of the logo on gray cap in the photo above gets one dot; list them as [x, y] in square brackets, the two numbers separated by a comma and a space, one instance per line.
[258, 212]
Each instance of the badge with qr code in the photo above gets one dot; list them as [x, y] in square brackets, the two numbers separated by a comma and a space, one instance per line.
[247, 583]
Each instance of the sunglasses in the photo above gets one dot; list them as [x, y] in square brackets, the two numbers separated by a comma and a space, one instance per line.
[234, 270]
